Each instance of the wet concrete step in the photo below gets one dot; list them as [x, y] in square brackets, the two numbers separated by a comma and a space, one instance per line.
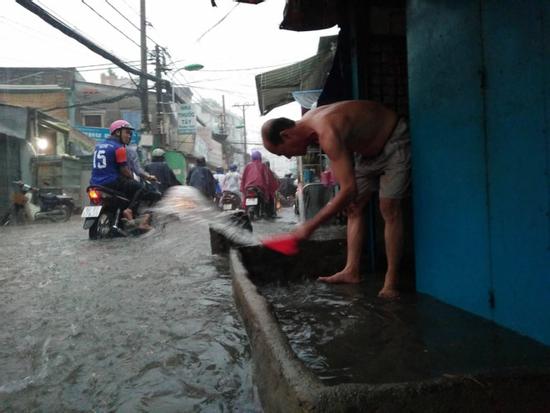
[319, 347]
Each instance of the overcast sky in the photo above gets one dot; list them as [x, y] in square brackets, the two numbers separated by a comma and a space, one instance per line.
[233, 41]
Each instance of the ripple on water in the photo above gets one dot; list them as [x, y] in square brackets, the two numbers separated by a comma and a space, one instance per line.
[142, 324]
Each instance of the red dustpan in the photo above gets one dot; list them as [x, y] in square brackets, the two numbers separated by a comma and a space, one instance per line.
[286, 244]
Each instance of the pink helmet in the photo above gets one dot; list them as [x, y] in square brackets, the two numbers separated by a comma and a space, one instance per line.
[119, 124]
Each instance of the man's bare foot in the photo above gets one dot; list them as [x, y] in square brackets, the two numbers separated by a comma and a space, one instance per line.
[342, 277]
[389, 293]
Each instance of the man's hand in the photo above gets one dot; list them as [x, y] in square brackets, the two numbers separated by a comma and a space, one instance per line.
[151, 178]
[303, 232]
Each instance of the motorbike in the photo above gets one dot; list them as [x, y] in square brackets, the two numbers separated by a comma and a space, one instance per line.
[103, 218]
[49, 206]
[286, 201]
[255, 203]
[230, 201]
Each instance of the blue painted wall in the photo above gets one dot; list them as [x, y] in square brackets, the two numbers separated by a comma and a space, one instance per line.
[479, 106]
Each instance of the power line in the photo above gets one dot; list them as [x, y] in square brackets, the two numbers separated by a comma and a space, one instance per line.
[219, 21]
[30, 29]
[23, 77]
[110, 24]
[128, 20]
[104, 64]
[95, 102]
[246, 69]
[58, 24]
[173, 76]
[60, 19]
[211, 88]
[53, 16]
[131, 8]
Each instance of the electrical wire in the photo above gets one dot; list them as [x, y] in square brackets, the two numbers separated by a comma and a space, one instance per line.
[219, 21]
[247, 69]
[24, 77]
[131, 8]
[128, 20]
[110, 24]
[69, 25]
[31, 30]
[105, 64]
[65, 22]
[95, 102]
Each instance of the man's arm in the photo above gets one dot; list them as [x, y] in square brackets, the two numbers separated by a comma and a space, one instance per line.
[124, 170]
[121, 160]
[342, 166]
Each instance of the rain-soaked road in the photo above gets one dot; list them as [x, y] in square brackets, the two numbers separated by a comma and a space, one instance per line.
[126, 325]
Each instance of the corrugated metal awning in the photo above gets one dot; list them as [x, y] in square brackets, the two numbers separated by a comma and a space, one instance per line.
[275, 88]
[304, 15]
[74, 134]
[13, 121]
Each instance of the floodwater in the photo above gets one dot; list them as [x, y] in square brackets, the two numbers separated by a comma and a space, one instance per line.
[143, 324]
[346, 334]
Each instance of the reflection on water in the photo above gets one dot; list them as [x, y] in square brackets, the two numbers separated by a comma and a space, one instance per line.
[345, 334]
[136, 324]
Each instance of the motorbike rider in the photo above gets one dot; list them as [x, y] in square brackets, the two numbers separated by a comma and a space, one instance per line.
[110, 168]
[232, 181]
[201, 178]
[287, 187]
[134, 164]
[159, 168]
[271, 206]
[258, 174]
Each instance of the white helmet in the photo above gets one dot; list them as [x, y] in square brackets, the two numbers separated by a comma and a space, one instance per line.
[158, 152]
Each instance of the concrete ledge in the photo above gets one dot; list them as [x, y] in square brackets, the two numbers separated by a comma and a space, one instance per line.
[285, 384]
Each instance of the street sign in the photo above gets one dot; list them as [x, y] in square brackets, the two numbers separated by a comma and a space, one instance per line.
[187, 121]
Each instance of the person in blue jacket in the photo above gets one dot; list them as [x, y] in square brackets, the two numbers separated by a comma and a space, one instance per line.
[110, 165]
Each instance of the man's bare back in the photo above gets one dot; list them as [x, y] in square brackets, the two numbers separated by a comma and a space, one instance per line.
[364, 126]
[342, 129]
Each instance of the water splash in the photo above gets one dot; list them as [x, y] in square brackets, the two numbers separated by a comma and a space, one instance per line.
[189, 205]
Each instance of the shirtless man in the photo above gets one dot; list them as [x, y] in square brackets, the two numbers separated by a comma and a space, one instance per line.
[369, 150]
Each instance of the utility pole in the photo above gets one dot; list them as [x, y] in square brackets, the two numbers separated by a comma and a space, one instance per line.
[159, 68]
[243, 106]
[143, 92]
[222, 117]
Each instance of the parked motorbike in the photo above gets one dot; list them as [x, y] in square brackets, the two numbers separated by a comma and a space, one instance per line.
[230, 201]
[103, 218]
[49, 206]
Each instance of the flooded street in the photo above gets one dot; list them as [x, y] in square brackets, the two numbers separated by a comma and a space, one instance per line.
[128, 325]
